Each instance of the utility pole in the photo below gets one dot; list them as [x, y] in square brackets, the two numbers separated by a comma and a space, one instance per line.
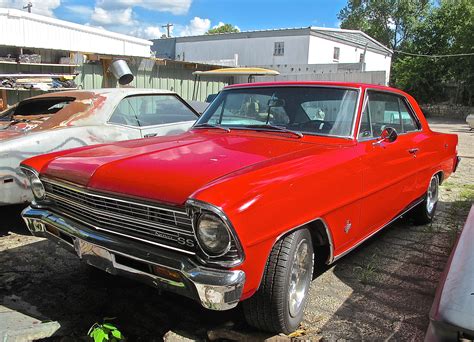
[28, 7]
[168, 27]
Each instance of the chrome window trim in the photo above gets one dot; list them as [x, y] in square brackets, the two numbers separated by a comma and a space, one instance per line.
[354, 121]
[200, 205]
[389, 92]
[107, 122]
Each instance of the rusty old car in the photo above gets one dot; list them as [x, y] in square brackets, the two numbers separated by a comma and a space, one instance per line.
[63, 120]
[272, 179]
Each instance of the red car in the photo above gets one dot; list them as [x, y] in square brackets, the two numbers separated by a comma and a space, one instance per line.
[273, 178]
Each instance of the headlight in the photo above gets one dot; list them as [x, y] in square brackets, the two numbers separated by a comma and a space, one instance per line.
[35, 183]
[213, 235]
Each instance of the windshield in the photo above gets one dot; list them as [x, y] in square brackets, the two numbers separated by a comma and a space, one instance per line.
[309, 110]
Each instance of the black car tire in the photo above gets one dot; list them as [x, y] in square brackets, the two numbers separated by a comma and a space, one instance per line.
[269, 308]
[424, 212]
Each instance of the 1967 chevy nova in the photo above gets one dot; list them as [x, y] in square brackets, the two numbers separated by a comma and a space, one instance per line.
[63, 120]
[273, 178]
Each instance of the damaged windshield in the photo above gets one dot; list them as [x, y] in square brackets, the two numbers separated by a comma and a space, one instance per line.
[307, 110]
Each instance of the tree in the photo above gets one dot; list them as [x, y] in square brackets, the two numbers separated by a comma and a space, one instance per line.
[224, 28]
[417, 27]
[390, 22]
[447, 30]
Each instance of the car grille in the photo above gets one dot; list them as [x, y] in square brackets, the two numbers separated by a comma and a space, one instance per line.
[163, 226]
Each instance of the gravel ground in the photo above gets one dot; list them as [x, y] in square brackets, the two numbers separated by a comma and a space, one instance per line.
[381, 291]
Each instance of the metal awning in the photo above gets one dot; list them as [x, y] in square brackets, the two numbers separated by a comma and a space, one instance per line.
[228, 72]
[237, 72]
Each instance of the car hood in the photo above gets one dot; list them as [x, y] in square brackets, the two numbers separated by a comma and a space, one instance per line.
[14, 129]
[168, 169]
[9, 134]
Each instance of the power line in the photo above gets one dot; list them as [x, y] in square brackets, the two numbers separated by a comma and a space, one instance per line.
[435, 56]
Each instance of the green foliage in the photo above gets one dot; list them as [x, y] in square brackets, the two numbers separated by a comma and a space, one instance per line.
[447, 30]
[390, 22]
[225, 28]
[422, 28]
[105, 332]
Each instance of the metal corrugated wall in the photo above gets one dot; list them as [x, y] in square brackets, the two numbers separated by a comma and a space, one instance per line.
[173, 76]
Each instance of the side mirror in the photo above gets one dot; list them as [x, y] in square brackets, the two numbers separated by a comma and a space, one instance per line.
[388, 135]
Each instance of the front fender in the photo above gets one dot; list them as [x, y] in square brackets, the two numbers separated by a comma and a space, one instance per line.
[14, 187]
[267, 201]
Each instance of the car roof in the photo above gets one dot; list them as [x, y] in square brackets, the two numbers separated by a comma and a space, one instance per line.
[313, 83]
[90, 93]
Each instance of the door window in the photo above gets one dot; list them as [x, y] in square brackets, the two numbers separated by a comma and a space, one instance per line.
[385, 110]
[150, 110]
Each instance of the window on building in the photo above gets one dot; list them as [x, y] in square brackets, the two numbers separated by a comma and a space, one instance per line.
[361, 58]
[337, 51]
[279, 49]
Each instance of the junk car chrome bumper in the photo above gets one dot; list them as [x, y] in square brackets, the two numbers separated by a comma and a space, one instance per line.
[163, 269]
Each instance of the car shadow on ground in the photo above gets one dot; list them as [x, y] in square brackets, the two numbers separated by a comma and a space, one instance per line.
[11, 221]
[49, 283]
[392, 279]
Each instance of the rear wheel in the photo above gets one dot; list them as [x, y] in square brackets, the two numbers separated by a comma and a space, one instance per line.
[278, 305]
[424, 212]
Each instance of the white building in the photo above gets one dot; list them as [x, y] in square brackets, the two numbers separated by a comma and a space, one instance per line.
[282, 49]
[22, 29]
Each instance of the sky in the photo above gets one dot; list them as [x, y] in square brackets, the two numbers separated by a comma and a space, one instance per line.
[145, 18]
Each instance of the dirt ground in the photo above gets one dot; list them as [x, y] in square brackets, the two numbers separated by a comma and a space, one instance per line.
[381, 291]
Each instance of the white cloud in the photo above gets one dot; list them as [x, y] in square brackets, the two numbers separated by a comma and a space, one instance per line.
[147, 32]
[113, 17]
[80, 11]
[43, 7]
[218, 25]
[176, 7]
[196, 26]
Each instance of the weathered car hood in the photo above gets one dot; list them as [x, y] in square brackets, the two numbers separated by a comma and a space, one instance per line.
[8, 134]
[11, 129]
[167, 169]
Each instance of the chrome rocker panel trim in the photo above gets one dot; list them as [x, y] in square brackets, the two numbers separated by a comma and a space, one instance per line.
[214, 289]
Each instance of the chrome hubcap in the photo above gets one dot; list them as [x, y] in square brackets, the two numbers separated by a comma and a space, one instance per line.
[432, 195]
[301, 272]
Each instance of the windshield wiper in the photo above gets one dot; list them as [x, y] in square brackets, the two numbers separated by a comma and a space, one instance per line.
[268, 127]
[208, 125]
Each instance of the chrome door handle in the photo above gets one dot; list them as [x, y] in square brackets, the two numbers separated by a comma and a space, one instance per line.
[150, 135]
[413, 150]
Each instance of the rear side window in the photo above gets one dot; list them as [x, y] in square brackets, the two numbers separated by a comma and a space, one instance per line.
[386, 110]
[150, 110]
[43, 106]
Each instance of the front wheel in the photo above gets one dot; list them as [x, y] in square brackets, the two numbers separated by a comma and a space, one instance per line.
[424, 212]
[278, 305]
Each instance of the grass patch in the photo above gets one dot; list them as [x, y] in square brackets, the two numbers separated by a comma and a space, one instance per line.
[367, 273]
[449, 186]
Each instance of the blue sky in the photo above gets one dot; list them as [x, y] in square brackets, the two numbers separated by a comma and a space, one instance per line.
[144, 18]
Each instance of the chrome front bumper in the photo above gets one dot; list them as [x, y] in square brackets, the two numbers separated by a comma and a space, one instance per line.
[163, 269]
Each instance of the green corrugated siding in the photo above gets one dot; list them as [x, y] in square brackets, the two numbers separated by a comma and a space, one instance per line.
[173, 76]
